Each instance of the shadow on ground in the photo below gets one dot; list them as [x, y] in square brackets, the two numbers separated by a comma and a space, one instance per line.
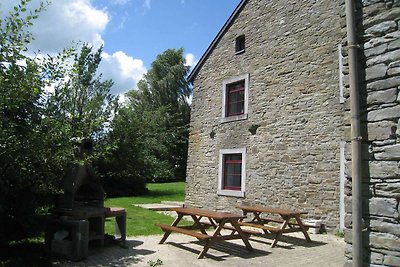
[287, 242]
[128, 255]
[229, 249]
[24, 253]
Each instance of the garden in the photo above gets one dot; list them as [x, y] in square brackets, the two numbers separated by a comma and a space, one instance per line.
[140, 221]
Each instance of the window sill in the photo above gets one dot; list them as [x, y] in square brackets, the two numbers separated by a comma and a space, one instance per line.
[230, 193]
[239, 52]
[234, 118]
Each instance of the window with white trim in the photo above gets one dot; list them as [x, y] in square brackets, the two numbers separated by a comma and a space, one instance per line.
[235, 95]
[232, 172]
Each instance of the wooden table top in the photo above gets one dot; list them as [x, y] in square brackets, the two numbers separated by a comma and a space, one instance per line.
[207, 213]
[258, 208]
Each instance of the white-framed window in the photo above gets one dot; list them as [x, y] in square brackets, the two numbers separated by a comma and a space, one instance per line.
[232, 172]
[235, 98]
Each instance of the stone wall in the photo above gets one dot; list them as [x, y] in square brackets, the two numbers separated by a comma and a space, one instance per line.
[293, 158]
[379, 58]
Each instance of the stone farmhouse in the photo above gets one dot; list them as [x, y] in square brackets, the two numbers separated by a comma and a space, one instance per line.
[271, 117]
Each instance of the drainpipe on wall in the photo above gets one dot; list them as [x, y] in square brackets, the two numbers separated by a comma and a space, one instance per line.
[355, 135]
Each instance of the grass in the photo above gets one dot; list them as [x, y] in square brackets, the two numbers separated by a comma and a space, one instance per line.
[139, 222]
[339, 233]
[157, 193]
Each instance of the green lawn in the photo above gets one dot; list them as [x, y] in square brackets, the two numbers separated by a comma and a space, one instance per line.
[141, 221]
[157, 193]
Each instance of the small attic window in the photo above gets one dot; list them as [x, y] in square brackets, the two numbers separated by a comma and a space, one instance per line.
[240, 44]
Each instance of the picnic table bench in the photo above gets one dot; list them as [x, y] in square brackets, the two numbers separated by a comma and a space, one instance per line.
[289, 220]
[217, 220]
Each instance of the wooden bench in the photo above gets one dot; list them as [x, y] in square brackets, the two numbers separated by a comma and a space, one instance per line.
[269, 219]
[218, 221]
[290, 221]
[169, 228]
[231, 228]
[261, 226]
[120, 222]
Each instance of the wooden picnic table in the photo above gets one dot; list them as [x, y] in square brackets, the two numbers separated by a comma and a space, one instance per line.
[217, 220]
[289, 221]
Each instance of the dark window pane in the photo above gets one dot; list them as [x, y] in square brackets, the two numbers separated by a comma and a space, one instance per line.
[240, 96]
[235, 98]
[240, 43]
[232, 171]
[238, 168]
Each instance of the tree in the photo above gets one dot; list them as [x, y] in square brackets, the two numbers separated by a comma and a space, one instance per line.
[150, 132]
[139, 138]
[22, 81]
[165, 83]
[82, 99]
[38, 130]
[165, 86]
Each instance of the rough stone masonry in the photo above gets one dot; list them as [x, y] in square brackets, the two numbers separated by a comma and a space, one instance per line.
[298, 116]
[295, 121]
[379, 61]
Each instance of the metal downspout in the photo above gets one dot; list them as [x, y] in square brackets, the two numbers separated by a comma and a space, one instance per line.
[356, 138]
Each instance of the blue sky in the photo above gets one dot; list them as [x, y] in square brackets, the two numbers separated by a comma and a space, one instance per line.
[148, 31]
[133, 32]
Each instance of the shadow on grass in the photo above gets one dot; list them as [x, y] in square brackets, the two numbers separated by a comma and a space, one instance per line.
[160, 193]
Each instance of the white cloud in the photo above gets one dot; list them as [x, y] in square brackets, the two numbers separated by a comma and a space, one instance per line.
[123, 69]
[191, 60]
[66, 21]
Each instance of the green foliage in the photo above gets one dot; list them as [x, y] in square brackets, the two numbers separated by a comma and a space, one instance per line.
[155, 263]
[38, 131]
[82, 100]
[165, 83]
[25, 176]
[152, 129]
[339, 233]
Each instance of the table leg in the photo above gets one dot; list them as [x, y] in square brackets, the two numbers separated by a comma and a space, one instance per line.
[257, 219]
[243, 236]
[276, 238]
[278, 234]
[167, 233]
[197, 224]
[257, 216]
[210, 241]
[303, 229]
[120, 227]
[212, 223]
